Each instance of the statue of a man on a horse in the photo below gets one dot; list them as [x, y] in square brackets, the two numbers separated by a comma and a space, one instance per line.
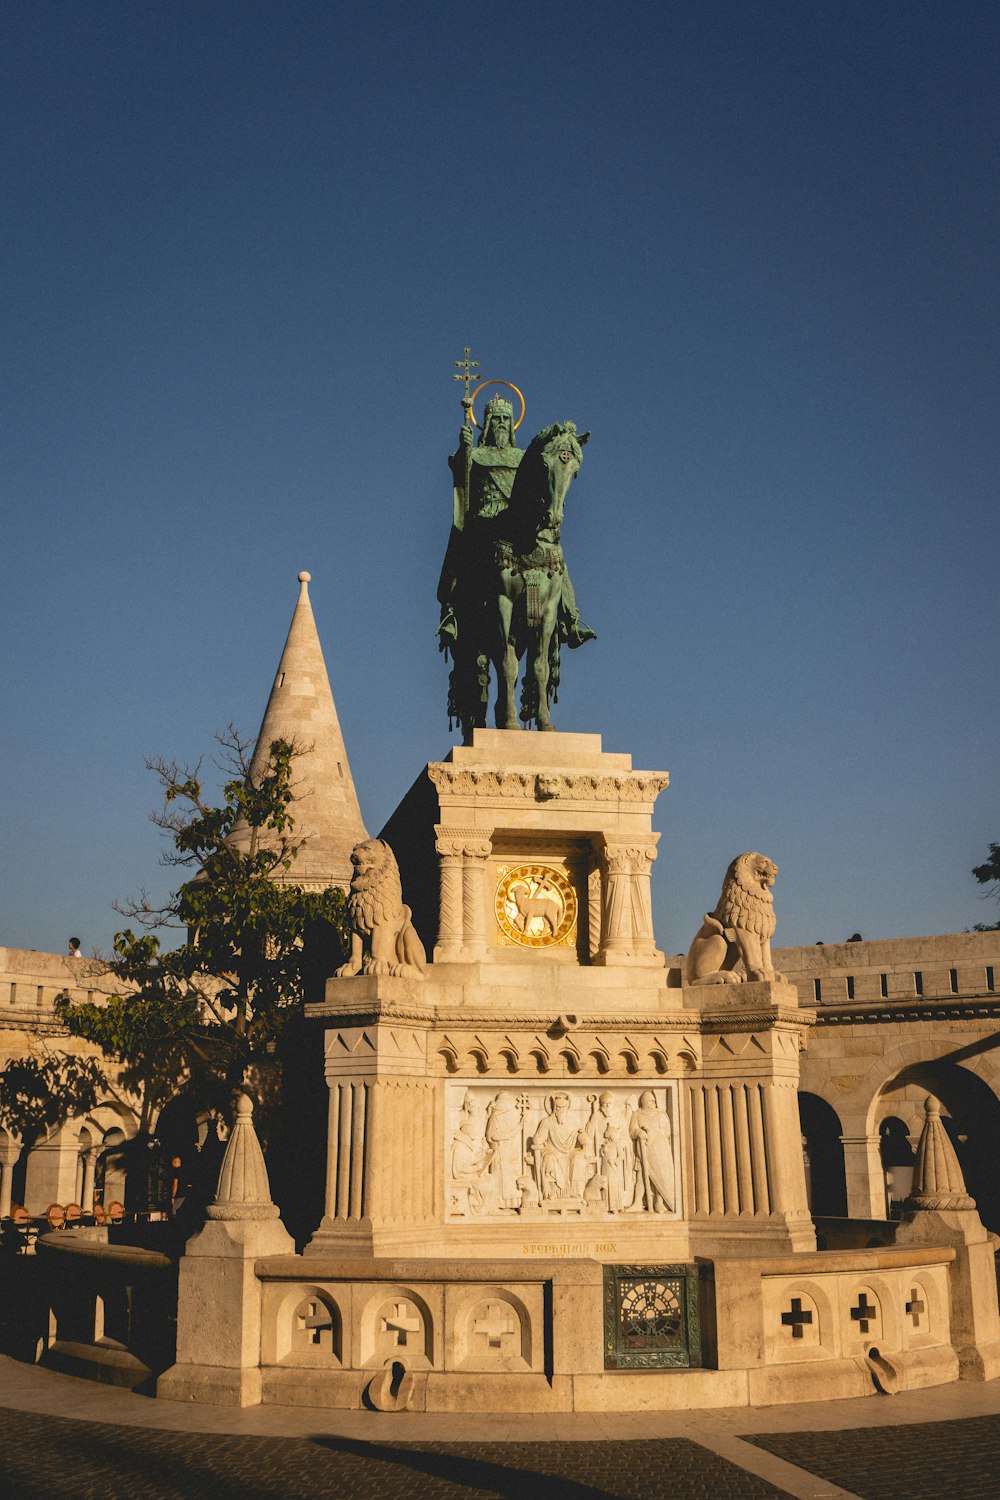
[505, 591]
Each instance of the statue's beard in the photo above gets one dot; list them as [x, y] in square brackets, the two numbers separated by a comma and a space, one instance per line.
[500, 438]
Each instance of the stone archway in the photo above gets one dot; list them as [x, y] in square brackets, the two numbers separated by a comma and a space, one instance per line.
[971, 1116]
[862, 1107]
[822, 1131]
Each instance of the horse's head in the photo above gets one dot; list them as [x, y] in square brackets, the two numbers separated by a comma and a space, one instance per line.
[552, 460]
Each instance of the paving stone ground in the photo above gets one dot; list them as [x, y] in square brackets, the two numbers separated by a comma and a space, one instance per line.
[954, 1460]
[59, 1456]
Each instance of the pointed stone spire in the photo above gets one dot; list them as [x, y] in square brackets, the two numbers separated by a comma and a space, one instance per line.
[301, 710]
[937, 1178]
[243, 1191]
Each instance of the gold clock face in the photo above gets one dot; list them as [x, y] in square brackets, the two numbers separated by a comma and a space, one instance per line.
[535, 906]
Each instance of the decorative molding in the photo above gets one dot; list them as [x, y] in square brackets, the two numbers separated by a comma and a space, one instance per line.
[878, 1012]
[583, 1054]
[627, 786]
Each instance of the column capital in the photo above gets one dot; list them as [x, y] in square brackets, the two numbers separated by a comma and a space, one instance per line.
[631, 858]
[463, 843]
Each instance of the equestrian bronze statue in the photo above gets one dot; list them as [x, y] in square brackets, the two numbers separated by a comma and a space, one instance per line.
[505, 591]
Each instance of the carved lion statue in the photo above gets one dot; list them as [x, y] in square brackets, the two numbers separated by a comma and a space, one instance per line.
[733, 943]
[383, 938]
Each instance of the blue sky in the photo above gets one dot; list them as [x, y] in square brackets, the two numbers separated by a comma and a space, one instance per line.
[751, 246]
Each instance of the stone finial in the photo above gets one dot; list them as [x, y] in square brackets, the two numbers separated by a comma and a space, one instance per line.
[937, 1178]
[243, 1191]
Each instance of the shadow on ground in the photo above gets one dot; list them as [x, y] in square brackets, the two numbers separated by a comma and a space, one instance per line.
[63, 1458]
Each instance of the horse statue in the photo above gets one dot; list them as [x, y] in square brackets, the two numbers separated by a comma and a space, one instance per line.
[533, 614]
[505, 588]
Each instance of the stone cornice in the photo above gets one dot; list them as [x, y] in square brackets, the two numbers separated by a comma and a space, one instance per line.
[32, 1025]
[874, 1012]
[547, 786]
[491, 1019]
[761, 1019]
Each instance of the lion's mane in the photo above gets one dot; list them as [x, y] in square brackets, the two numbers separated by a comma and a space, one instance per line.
[376, 897]
[746, 901]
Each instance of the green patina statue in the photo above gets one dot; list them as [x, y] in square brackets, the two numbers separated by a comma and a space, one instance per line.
[505, 590]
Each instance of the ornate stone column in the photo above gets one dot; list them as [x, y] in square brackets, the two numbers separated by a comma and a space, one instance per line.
[449, 848]
[475, 854]
[627, 923]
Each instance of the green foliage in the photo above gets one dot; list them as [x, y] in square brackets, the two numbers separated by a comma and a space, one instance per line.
[206, 1010]
[989, 874]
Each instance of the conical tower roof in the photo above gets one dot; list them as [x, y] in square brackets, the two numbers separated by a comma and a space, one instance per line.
[301, 710]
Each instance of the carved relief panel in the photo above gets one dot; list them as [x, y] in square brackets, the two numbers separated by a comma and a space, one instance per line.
[568, 1150]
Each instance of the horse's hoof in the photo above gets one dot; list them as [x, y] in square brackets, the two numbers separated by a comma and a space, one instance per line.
[547, 728]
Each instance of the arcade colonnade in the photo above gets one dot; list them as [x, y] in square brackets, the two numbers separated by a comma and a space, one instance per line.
[896, 1021]
[88, 1154]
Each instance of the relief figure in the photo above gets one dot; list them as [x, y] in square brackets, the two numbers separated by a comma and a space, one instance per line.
[559, 1152]
[615, 1156]
[503, 1133]
[649, 1129]
[471, 1159]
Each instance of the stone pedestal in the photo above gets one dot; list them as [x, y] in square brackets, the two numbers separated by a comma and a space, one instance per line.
[542, 1090]
[218, 1291]
[499, 1111]
[555, 806]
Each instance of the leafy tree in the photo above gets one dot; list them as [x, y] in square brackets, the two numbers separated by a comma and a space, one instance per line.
[204, 1013]
[989, 874]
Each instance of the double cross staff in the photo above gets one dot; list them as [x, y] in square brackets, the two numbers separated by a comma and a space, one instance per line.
[465, 367]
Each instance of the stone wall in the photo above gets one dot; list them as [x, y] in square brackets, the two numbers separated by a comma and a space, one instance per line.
[59, 1168]
[452, 1335]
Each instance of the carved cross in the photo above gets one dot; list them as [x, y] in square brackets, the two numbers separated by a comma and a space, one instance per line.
[498, 1321]
[400, 1324]
[465, 367]
[796, 1317]
[864, 1313]
[915, 1307]
[313, 1320]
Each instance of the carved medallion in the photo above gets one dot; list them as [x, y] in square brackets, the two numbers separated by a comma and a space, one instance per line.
[535, 906]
